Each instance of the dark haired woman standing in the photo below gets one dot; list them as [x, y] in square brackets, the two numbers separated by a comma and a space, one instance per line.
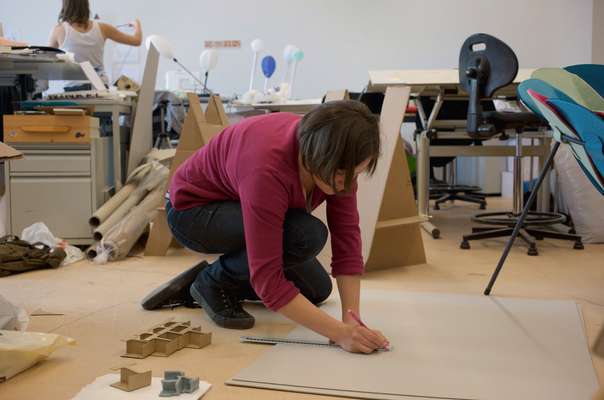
[248, 194]
[78, 34]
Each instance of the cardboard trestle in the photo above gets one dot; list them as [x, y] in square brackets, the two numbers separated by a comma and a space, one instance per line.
[199, 127]
[388, 214]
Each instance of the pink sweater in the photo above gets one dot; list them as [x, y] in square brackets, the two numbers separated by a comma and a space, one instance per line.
[256, 162]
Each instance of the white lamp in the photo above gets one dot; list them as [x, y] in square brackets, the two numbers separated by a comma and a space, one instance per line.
[164, 49]
[208, 60]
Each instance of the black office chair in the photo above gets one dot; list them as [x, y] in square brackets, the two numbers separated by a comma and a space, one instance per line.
[451, 112]
[487, 64]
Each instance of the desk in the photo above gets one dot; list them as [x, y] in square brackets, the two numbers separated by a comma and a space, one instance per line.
[444, 84]
[301, 106]
[419, 80]
[40, 66]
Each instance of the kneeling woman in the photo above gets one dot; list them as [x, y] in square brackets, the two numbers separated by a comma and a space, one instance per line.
[248, 195]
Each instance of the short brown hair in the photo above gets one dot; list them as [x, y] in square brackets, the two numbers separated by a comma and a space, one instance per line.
[75, 12]
[339, 135]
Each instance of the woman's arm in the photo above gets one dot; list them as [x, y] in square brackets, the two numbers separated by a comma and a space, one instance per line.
[350, 337]
[57, 36]
[111, 32]
[349, 287]
[9, 42]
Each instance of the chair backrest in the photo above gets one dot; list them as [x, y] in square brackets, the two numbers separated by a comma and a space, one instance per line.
[541, 87]
[485, 65]
[583, 131]
[592, 74]
[573, 86]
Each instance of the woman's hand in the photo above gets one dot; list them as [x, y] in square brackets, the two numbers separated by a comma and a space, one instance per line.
[355, 338]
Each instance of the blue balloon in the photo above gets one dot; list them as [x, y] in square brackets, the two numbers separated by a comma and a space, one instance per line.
[268, 66]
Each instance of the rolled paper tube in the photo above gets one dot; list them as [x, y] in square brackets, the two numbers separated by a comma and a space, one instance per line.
[110, 206]
[119, 213]
[122, 237]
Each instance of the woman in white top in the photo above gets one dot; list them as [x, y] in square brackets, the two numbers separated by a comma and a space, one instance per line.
[78, 34]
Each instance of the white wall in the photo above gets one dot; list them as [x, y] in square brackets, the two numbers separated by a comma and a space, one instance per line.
[598, 32]
[342, 39]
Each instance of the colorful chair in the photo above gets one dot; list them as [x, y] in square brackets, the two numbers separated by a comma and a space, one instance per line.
[572, 85]
[576, 126]
[592, 74]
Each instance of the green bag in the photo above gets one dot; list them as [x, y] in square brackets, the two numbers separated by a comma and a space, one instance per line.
[18, 256]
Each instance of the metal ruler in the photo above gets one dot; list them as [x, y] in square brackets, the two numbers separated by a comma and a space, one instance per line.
[273, 341]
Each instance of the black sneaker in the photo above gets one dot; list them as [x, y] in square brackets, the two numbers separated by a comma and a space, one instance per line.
[223, 307]
[175, 292]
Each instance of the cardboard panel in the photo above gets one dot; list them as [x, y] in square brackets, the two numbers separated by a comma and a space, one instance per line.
[142, 131]
[443, 347]
[334, 95]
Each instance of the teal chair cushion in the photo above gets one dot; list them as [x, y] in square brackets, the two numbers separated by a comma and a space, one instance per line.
[592, 74]
[541, 87]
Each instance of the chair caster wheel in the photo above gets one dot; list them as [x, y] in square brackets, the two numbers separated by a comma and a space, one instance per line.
[464, 245]
[532, 251]
[435, 234]
[578, 245]
[436, 207]
[483, 206]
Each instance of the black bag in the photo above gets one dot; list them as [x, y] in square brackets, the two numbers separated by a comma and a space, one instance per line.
[18, 256]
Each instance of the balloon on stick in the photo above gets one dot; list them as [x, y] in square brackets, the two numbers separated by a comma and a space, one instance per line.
[297, 56]
[268, 69]
[257, 47]
[288, 52]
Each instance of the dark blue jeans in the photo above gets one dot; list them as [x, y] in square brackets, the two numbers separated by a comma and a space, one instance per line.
[218, 228]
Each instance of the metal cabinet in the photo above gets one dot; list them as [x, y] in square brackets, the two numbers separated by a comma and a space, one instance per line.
[60, 184]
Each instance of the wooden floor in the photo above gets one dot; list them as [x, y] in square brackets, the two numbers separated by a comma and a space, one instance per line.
[101, 306]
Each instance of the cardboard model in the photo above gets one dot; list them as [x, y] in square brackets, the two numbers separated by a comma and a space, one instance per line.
[131, 380]
[163, 340]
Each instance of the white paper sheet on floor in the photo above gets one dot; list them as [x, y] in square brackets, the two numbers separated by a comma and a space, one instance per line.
[445, 347]
[101, 389]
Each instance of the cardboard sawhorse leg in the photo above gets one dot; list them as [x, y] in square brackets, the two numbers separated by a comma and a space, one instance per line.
[199, 127]
[388, 214]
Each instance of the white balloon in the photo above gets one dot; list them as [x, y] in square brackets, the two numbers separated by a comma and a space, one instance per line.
[161, 45]
[208, 59]
[288, 52]
[257, 45]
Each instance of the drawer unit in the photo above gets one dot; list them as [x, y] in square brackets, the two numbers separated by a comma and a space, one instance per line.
[63, 204]
[50, 129]
[60, 184]
[66, 162]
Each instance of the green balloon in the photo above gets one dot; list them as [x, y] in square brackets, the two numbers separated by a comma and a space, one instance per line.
[298, 55]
